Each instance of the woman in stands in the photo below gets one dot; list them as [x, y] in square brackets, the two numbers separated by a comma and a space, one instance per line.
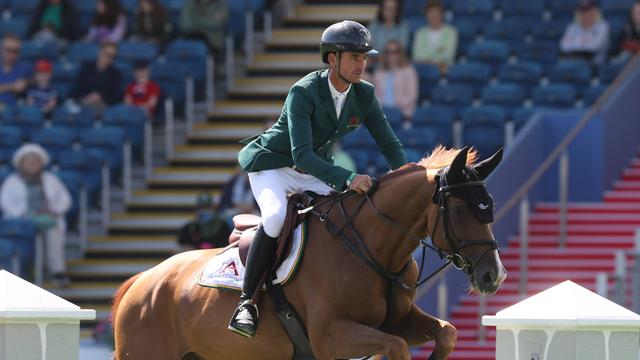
[631, 33]
[53, 20]
[437, 42]
[36, 194]
[388, 25]
[295, 154]
[109, 24]
[588, 36]
[152, 23]
[396, 80]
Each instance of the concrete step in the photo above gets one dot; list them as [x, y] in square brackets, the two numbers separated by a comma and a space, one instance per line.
[575, 241]
[584, 229]
[272, 88]
[327, 14]
[295, 39]
[629, 197]
[286, 64]
[626, 186]
[245, 111]
[131, 245]
[212, 133]
[148, 223]
[590, 207]
[109, 267]
[168, 200]
[587, 219]
[102, 292]
[202, 176]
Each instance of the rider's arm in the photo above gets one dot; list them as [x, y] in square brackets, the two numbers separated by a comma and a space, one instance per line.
[299, 107]
[385, 138]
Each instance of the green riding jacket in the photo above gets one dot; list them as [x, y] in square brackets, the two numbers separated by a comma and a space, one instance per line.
[308, 128]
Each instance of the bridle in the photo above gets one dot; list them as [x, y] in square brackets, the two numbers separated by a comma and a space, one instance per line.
[359, 248]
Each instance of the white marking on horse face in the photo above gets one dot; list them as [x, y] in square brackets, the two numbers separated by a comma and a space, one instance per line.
[483, 206]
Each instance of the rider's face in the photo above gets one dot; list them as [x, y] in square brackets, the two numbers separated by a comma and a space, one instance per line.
[352, 65]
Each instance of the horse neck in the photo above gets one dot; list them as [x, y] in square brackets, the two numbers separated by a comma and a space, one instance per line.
[406, 200]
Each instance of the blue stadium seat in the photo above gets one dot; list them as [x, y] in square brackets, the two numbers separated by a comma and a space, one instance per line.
[543, 52]
[428, 76]
[171, 79]
[563, 9]
[438, 118]
[550, 31]
[394, 116]
[126, 69]
[63, 77]
[5, 171]
[77, 122]
[23, 8]
[483, 128]
[525, 73]
[474, 74]
[527, 12]
[81, 51]
[7, 250]
[413, 7]
[72, 180]
[554, 95]
[27, 118]
[506, 95]
[87, 164]
[455, 96]
[10, 140]
[520, 116]
[192, 56]
[617, 7]
[18, 26]
[609, 71]
[490, 51]
[478, 11]
[174, 9]
[420, 138]
[137, 51]
[574, 72]
[22, 234]
[129, 118]
[507, 30]
[591, 94]
[110, 140]
[86, 10]
[467, 32]
[359, 138]
[55, 140]
[33, 50]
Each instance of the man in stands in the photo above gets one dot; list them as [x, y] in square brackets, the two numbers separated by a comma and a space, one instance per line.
[99, 84]
[294, 155]
[14, 74]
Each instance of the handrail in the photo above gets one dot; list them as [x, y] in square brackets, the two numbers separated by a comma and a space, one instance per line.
[549, 160]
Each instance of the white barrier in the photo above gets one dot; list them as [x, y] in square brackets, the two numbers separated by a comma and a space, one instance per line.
[36, 324]
[566, 322]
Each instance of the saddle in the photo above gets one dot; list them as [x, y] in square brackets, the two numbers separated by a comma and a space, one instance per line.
[245, 226]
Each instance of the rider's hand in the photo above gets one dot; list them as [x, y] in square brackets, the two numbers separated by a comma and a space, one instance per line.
[361, 184]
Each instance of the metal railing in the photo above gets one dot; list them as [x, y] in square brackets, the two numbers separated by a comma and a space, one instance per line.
[169, 130]
[558, 154]
[625, 289]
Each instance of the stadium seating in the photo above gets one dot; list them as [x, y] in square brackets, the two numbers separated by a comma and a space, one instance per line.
[507, 95]
[64, 76]
[27, 118]
[574, 72]
[137, 51]
[76, 121]
[394, 116]
[109, 141]
[524, 73]
[420, 139]
[88, 164]
[454, 95]
[7, 250]
[22, 234]
[509, 31]
[483, 127]
[72, 180]
[493, 52]
[17, 26]
[33, 50]
[130, 119]
[591, 94]
[551, 31]
[81, 51]
[10, 140]
[520, 116]
[428, 76]
[474, 74]
[54, 139]
[543, 52]
[438, 118]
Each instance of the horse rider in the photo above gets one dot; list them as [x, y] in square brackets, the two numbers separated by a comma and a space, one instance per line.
[295, 154]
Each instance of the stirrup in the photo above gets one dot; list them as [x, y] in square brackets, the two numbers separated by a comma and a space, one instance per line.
[245, 326]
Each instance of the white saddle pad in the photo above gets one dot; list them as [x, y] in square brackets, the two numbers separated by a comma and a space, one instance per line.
[225, 270]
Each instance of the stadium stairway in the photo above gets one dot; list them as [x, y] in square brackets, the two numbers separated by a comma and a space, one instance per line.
[595, 232]
[143, 234]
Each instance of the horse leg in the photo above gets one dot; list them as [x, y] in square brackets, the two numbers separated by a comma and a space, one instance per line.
[419, 327]
[347, 339]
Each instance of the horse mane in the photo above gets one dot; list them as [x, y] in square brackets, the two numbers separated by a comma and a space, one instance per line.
[439, 158]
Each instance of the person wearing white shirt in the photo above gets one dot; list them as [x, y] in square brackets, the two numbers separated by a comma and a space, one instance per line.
[588, 36]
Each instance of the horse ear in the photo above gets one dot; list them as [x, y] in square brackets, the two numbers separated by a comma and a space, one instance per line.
[485, 167]
[455, 175]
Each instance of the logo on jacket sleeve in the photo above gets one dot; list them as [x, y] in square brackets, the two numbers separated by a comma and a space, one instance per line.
[354, 121]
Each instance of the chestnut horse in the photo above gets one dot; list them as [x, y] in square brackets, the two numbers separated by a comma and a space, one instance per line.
[163, 313]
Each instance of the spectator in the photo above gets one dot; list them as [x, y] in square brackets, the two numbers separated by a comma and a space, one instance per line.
[14, 75]
[206, 19]
[152, 23]
[99, 83]
[396, 81]
[42, 94]
[208, 229]
[588, 36]
[109, 24]
[631, 33]
[388, 25]
[53, 20]
[143, 92]
[437, 42]
[237, 198]
[39, 195]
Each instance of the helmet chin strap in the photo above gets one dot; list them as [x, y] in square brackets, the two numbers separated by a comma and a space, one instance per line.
[338, 68]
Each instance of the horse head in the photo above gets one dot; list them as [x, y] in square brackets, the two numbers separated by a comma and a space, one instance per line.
[463, 224]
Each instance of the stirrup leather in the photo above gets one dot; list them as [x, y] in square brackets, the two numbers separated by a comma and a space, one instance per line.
[244, 320]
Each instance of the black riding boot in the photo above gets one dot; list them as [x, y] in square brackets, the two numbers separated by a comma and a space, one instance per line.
[244, 320]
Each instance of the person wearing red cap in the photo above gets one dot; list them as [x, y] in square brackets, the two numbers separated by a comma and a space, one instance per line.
[588, 36]
[42, 94]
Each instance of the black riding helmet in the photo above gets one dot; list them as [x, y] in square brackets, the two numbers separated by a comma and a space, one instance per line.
[346, 36]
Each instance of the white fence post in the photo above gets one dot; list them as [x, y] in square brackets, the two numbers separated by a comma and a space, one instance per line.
[602, 284]
[268, 25]
[83, 219]
[482, 310]
[229, 66]
[148, 149]
[443, 294]
[248, 37]
[210, 86]
[620, 275]
[189, 102]
[509, 131]
[168, 129]
[524, 246]
[563, 192]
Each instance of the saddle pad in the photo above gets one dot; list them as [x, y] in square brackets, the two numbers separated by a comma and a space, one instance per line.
[225, 270]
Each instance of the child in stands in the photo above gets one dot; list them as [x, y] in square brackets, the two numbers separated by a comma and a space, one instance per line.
[143, 92]
[42, 94]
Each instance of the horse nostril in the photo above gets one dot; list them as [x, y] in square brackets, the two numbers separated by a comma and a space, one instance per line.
[487, 278]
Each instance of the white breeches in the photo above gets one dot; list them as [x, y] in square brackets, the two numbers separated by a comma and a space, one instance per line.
[271, 187]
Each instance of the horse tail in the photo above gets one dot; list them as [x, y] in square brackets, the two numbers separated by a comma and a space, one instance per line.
[120, 294]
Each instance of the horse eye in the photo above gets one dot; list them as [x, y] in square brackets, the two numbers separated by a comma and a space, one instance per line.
[459, 210]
